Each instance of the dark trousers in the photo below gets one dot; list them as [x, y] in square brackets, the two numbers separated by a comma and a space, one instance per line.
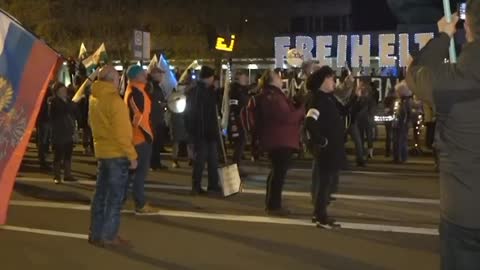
[139, 176]
[355, 134]
[324, 184]
[280, 159]
[156, 160]
[388, 139]
[205, 152]
[43, 141]
[62, 158]
[366, 129]
[430, 134]
[400, 144]
[239, 147]
[460, 247]
[87, 139]
[112, 177]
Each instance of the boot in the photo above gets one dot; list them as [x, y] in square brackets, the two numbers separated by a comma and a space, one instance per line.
[57, 172]
[370, 153]
[68, 171]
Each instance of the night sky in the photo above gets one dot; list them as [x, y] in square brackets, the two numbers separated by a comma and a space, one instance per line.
[372, 15]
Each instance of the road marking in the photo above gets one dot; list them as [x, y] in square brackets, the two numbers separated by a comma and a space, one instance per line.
[243, 218]
[422, 174]
[260, 192]
[44, 232]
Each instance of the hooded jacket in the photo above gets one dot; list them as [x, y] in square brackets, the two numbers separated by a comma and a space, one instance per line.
[110, 122]
[454, 92]
[279, 124]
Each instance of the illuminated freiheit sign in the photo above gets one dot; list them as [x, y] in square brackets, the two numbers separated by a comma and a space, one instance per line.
[222, 45]
[392, 49]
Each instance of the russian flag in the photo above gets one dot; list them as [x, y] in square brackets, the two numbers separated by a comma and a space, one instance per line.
[26, 66]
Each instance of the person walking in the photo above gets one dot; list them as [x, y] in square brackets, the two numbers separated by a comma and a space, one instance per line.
[325, 132]
[115, 154]
[278, 127]
[140, 106]
[201, 120]
[157, 116]
[62, 118]
[454, 91]
[238, 100]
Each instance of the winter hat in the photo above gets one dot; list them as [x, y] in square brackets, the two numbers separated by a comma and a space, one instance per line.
[133, 71]
[206, 72]
[315, 80]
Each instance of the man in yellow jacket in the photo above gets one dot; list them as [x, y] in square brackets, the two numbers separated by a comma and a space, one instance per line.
[114, 150]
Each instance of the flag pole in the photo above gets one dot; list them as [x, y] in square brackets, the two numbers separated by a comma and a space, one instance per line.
[448, 15]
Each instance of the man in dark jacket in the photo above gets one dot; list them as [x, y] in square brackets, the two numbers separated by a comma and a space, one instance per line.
[238, 100]
[454, 90]
[157, 116]
[325, 130]
[202, 127]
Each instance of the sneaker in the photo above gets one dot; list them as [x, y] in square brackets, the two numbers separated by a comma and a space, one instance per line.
[175, 165]
[361, 163]
[57, 180]
[198, 191]
[128, 205]
[216, 189]
[327, 224]
[280, 212]
[69, 179]
[146, 210]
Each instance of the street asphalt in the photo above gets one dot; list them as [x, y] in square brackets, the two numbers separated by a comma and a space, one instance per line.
[389, 215]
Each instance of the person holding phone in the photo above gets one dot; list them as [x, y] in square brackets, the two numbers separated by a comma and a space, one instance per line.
[454, 91]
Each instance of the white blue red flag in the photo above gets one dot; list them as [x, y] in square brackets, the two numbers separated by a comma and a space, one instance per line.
[26, 66]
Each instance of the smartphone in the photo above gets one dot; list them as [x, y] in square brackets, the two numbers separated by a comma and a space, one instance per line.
[462, 11]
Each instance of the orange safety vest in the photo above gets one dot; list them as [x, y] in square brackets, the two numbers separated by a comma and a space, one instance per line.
[142, 130]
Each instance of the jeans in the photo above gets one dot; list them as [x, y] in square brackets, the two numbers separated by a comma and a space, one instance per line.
[400, 144]
[366, 131]
[112, 177]
[87, 139]
[280, 159]
[205, 151]
[460, 247]
[138, 177]
[354, 132]
[324, 184]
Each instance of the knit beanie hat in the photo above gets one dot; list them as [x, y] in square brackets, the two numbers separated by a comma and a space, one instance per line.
[133, 71]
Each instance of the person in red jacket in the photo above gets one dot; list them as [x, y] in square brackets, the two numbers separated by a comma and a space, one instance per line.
[278, 125]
